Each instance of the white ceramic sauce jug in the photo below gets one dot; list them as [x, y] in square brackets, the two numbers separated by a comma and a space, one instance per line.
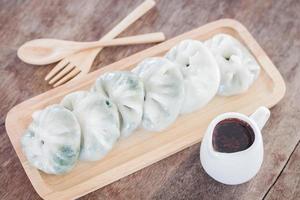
[237, 167]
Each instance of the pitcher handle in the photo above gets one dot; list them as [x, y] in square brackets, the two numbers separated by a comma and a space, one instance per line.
[261, 116]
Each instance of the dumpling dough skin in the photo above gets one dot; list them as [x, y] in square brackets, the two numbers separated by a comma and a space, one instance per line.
[164, 92]
[72, 99]
[126, 90]
[200, 71]
[99, 122]
[238, 67]
[52, 141]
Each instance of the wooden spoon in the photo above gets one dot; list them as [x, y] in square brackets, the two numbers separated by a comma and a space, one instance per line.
[46, 51]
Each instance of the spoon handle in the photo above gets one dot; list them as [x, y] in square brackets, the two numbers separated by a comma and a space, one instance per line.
[137, 39]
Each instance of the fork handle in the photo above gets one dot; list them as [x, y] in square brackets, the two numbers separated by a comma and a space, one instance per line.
[129, 19]
[90, 54]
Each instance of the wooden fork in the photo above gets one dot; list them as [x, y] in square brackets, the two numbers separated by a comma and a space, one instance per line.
[79, 64]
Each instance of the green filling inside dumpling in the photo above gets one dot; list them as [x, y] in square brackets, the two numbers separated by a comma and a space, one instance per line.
[52, 141]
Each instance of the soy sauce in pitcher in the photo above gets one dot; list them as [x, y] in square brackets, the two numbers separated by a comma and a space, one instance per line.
[232, 135]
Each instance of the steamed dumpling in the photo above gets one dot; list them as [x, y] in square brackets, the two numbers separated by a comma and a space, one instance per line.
[164, 92]
[126, 90]
[238, 67]
[99, 122]
[200, 72]
[52, 141]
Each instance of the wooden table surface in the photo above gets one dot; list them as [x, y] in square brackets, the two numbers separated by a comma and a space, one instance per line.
[274, 24]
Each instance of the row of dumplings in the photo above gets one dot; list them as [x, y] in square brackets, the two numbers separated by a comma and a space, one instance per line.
[86, 124]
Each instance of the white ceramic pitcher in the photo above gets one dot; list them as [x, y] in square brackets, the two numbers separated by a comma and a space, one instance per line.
[237, 167]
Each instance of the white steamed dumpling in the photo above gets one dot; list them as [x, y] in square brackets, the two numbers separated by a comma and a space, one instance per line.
[126, 90]
[87, 124]
[200, 73]
[52, 141]
[164, 92]
[238, 67]
[99, 122]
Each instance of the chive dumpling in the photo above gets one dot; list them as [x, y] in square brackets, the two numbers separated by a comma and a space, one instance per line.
[52, 140]
[99, 121]
[126, 90]
[238, 67]
[201, 75]
[164, 92]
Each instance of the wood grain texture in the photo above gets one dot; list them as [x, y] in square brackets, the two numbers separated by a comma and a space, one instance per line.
[288, 182]
[274, 24]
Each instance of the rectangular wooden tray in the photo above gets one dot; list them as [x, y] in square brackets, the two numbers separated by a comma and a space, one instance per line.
[144, 148]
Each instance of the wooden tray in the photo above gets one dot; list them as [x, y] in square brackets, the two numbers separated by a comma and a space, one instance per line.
[144, 148]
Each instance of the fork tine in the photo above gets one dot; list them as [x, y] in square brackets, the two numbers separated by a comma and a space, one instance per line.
[56, 69]
[69, 76]
[62, 73]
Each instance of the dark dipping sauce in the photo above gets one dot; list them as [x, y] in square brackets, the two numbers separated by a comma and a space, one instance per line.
[232, 135]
